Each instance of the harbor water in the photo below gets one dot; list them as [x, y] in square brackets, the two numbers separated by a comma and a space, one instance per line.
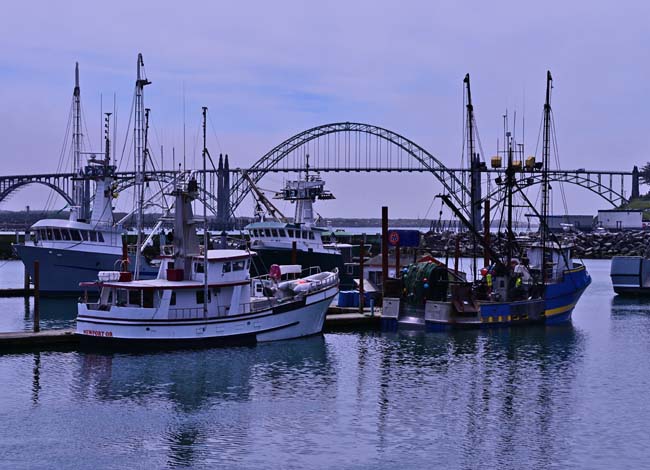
[544, 397]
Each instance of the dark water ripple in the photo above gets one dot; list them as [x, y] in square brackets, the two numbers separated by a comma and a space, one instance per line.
[563, 397]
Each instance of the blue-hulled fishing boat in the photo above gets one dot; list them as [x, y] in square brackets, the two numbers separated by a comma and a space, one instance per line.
[524, 282]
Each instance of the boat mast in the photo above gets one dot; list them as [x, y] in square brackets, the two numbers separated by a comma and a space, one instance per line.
[205, 219]
[139, 159]
[474, 163]
[77, 136]
[546, 148]
[510, 183]
[475, 175]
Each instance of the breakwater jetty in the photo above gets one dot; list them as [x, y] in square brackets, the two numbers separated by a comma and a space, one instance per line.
[590, 245]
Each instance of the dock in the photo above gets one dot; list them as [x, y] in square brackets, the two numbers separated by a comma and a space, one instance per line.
[338, 319]
[48, 339]
[17, 292]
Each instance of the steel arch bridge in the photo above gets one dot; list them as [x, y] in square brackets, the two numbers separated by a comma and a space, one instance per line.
[348, 146]
[342, 147]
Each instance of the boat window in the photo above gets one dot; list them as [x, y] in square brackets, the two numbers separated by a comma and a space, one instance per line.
[43, 234]
[93, 236]
[274, 232]
[248, 264]
[283, 234]
[267, 232]
[227, 267]
[147, 298]
[65, 234]
[253, 233]
[311, 235]
[122, 297]
[75, 235]
[57, 234]
[84, 235]
[135, 297]
[172, 299]
[198, 268]
[109, 299]
[200, 296]
[100, 237]
[290, 231]
[239, 265]
[304, 235]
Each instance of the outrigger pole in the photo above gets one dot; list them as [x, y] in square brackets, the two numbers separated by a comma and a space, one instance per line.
[206, 238]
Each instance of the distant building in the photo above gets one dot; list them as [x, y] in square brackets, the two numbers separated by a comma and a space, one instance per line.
[614, 219]
[582, 223]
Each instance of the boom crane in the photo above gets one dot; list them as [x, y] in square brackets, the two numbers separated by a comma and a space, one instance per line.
[261, 197]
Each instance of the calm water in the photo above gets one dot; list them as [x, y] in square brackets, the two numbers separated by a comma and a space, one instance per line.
[570, 397]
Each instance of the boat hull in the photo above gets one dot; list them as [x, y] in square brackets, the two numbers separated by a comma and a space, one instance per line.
[630, 275]
[293, 320]
[61, 271]
[555, 308]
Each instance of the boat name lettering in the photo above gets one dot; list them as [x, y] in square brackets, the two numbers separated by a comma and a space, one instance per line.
[98, 333]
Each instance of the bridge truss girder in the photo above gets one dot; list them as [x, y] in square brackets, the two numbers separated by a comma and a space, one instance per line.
[593, 181]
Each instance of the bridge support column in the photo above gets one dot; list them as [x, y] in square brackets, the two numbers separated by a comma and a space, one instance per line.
[220, 194]
[635, 183]
[226, 194]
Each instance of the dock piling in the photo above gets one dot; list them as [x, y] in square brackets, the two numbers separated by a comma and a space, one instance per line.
[384, 246]
[37, 313]
[26, 282]
[362, 254]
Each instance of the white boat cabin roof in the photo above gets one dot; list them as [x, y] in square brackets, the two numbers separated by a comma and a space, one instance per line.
[275, 224]
[64, 223]
[162, 284]
[225, 255]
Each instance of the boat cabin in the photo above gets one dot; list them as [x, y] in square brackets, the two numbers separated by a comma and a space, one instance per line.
[65, 234]
[282, 236]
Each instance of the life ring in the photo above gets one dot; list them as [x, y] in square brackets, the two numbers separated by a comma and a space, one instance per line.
[393, 238]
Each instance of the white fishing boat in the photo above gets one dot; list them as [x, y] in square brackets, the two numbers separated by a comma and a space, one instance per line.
[89, 241]
[203, 297]
[281, 241]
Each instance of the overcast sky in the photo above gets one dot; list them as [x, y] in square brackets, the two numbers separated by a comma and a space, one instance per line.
[268, 70]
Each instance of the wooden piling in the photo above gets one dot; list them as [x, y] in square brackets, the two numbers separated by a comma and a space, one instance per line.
[362, 255]
[26, 282]
[37, 307]
[384, 246]
[294, 253]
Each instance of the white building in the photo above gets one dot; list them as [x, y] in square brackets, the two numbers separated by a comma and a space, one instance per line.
[621, 219]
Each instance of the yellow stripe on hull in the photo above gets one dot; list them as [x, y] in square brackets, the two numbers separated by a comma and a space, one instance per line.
[559, 310]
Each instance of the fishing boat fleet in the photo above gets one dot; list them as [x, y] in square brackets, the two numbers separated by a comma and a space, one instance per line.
[279, 282]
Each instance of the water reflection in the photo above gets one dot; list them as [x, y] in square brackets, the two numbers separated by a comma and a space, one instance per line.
[54, 312]
[498, 384]
[630, 305]
[201, 383]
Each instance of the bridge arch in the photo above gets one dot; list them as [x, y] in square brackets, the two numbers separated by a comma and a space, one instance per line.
[418, 155]
[588, 180]
[8, 189]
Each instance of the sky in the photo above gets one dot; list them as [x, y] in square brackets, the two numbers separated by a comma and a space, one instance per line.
[268, 70]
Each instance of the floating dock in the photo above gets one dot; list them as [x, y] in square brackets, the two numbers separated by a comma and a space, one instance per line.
[338, 319]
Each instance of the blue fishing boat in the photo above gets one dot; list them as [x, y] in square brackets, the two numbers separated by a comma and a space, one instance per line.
[524, 282]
